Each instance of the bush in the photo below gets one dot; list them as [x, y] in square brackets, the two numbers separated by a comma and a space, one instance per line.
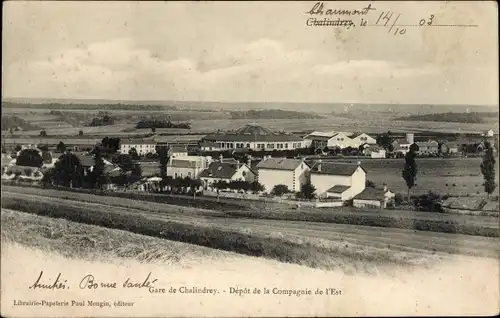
[398, 198]
[280, 189]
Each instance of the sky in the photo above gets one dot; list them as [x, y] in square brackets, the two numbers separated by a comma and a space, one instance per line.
[248, 52]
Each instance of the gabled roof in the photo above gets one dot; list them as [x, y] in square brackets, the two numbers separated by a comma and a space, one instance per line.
[333, 168]
[177, 149]
[338, 189]
[371, 194]
[427, 144]
[179, 163]
[220, 170]
[357, 134]
[137, 142]
[279, 164]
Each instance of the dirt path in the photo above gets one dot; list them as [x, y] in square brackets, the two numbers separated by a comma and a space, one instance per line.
[374, 237]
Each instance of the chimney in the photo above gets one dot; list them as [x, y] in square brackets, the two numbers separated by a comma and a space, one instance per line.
[319, 167]
[359, 163]
[237, 164]
[249, 162]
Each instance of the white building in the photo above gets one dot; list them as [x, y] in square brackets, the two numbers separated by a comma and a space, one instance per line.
[177, 151]
[374, 151]
[337, 180]
[373, 198]
[253, 137]
[187, 166]
[359, 139]
[402, 145]
[291, 172]
[226, 171]
[332, 139]
[143, 147]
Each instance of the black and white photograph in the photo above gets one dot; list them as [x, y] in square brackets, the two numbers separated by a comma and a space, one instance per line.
[250, 159]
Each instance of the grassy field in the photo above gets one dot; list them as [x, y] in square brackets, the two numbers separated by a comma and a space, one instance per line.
[284, 249]
[178, 207]
[208, 121]
[458, 176]
[440, 285]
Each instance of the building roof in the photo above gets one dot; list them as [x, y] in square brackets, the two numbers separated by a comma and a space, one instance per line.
[333, 168]
[208, 144]
[357, 134]
[137, 142]
[86, 160]
[427, 144]
[220, 170]
[279, 164]
[315, 137]
[251, 132]
[401, 141]
[178, 149]
[371, 194]
[255, 138]
[338, 189]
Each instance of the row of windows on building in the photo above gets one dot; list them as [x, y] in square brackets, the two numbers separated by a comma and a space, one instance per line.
[230, 145]
[140, 146]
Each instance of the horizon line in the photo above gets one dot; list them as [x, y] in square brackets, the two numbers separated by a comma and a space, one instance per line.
[242, 102]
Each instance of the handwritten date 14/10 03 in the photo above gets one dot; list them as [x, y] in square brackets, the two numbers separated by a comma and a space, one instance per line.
[388, 19]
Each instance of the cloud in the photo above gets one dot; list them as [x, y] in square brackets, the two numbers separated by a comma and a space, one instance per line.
[374, 68]
[264, 69]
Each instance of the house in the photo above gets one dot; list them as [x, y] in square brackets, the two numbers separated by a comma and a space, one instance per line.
[291, 172]
[374, 151]
[449, 148]
[187, 166]
[142, 147]
[226, 171]
[373, 198]
[337, 180]
[489, 133]
[402, 145]
[426, 148]
[329, 139]
[358, 139]
[177, 151]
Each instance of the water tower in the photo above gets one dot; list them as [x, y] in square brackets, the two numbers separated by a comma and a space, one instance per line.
[410, 138]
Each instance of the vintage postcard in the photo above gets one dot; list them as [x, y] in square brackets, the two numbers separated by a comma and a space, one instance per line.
[249, 159]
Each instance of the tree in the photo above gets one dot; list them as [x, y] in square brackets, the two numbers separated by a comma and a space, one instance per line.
[43, 133]
[30, 158]
[61, 147]
[256, 187]
[18, 148]
[163, 156]
[307, 191]
[369, 184]
[280, 189]
[98, 169]
[488, 169]
[80, 133]
[153, 130]
[68, 171]
[133, 153]
[410, 171]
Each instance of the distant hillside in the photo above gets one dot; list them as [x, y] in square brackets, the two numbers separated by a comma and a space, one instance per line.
[470, 118]
[16, 124]
[272, 114]
[70, 106]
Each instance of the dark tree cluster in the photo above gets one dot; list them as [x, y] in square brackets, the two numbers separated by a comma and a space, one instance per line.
[154, 123]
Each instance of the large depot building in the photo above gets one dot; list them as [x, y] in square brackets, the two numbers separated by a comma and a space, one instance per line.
[251, 136]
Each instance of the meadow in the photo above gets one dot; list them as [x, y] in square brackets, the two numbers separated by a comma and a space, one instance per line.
[203, 122]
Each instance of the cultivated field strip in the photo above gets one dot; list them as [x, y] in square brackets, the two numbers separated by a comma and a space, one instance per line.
[485, 221]
[396, 239]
